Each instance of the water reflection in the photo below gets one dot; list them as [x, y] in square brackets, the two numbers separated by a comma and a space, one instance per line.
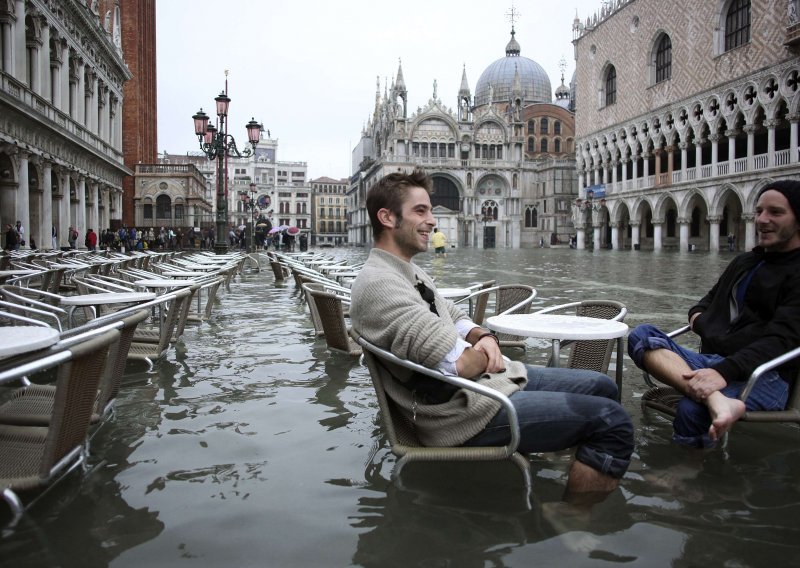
[252, 445]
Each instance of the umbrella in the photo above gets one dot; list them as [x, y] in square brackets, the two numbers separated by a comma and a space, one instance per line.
[242, 227]
[274, 230]
[292, 230]
[263, 225]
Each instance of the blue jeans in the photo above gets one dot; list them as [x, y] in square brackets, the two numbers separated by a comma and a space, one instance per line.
[561, 408]
[693, 419]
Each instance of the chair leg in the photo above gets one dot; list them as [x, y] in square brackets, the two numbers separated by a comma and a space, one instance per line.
[525, 466]
[16, 505]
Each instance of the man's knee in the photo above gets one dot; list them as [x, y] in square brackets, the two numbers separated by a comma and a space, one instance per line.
[638, 342]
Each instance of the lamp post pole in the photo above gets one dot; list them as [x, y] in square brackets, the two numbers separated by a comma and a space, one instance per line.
[249, 204]
[217, 144]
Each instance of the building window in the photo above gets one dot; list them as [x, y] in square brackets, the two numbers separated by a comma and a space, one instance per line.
[611, 85]
[544, 145]
[737, 24]
[664, 59]
[178, 212]
[531, 144]
[148, 211]
[557, 145]
[557, 127]
[531, 217]
[489, 210]
[531, 126]
[545, 126]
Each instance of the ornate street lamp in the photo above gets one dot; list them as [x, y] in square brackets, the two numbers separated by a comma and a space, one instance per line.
[218, 145]
[249, 203]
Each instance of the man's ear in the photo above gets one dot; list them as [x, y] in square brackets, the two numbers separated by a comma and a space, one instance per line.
[386, 218]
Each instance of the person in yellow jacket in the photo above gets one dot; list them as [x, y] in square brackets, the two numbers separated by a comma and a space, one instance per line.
[438, 242]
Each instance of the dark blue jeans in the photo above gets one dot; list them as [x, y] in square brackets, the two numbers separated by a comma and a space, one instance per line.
[561, 408]
[693, 419]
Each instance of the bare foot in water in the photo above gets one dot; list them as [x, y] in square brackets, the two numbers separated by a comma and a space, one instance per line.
[724, 412]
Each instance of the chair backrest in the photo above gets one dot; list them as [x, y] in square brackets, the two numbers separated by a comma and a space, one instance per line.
[117, 359]
[595, 355]
[481, 301]
[277, 270]
[513, 299]
[312, 306]
[76, 390]
[329, 308]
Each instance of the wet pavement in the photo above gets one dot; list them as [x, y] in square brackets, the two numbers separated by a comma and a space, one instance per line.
[252, 445]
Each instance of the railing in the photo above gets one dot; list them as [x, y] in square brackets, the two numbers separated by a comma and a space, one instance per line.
[663, 179]
[740, 165]
[782, 157]
[760, 162]
[677, 176]
[722, 168]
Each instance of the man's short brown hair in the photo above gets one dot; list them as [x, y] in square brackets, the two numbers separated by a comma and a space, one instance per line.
[390, 193]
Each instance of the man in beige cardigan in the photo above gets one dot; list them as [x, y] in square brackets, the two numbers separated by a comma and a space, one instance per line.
[395, 305]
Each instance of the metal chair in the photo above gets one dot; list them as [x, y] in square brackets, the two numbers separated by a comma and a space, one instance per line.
[400, 430]
[594, 355]
[665, 399]
[329, 308]
[509, 299]
[34, 457]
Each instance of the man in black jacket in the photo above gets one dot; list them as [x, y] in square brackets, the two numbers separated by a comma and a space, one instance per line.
[751, 315]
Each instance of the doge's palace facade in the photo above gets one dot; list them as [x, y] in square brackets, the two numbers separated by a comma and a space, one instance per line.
[684, 111]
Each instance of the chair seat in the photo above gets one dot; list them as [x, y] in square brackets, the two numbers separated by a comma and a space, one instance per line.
[29, 406]
[23, 448]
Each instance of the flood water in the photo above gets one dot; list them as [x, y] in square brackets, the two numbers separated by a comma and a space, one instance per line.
[252, 445]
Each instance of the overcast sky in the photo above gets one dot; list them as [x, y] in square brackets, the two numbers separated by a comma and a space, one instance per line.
[306, 69]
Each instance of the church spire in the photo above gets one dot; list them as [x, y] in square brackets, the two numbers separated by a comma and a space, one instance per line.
[400, 83]
[464, 90]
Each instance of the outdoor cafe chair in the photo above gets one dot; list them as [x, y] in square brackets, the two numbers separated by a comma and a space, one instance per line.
[32, 404]
[594, 355]
[508, 299]
[32, 457]
[331, 315]
[399, 428]
[146, 347]
[665, 399]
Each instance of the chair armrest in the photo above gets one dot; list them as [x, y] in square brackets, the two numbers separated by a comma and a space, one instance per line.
[456, 381]
[557, 308]
[768, 366]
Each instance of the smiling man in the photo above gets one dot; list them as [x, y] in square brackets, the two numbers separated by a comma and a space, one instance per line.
[751, 315]
[395, 305]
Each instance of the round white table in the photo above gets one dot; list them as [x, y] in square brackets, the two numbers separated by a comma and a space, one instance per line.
[558, 328]
[104, 298]
[26, 338]
[453, 292]
[164, 283]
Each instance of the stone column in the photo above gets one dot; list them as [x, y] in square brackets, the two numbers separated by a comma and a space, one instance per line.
[731, 134]
[657, 240]
[44, 60]
[658, 152]
[684, 158]
[698, 157]
[580, 238]
[614, 176]
[22, 212]
[6, 32]
[65, 209]
[750, 129]
[714, 137]
[80, 218]
[683, 231]
[793, 119]
[94, 208]
[46, 226]
[749, 230]
[713, 234]
[635, 234]
[645, 167]
[615, 236]
[770, 124]
[635, 172]
[19, 70]
[625, 170]
[596, 236]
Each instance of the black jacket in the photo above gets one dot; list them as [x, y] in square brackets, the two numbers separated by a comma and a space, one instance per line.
[767, 325]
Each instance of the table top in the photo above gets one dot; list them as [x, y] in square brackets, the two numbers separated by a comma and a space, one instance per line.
[26, 338]
[20, 272]
[554, 326]
[184, 274]
[164, 283]
[453, 292]
[107, 298]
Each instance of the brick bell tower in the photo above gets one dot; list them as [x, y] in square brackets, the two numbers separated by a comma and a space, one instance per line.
[140, 109]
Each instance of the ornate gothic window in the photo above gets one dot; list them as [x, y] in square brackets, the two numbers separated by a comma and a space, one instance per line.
[664, 59]
[531, 217]
[737, 24]
[489, 210]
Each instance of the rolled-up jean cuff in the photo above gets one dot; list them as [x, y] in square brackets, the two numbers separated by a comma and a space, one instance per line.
[648, 344]
[604, 463]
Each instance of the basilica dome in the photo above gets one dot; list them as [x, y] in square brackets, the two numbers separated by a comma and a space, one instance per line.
[499, 76]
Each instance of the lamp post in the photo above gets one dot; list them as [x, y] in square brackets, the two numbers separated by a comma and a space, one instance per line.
[217, 144]
[249, 204]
